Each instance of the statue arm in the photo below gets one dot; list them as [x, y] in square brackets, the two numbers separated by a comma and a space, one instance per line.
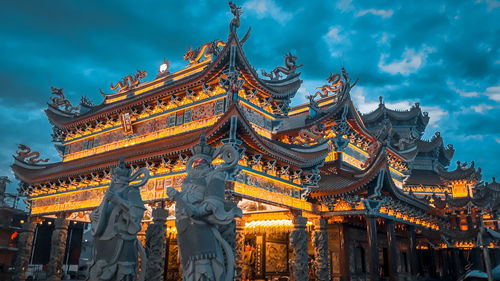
[113, 197]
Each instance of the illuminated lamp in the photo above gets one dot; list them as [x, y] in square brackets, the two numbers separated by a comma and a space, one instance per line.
[164, 67]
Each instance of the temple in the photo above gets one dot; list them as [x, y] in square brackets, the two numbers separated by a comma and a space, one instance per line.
[326, 192]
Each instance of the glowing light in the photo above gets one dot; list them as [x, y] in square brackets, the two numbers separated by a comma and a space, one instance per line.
[186, 127]
[268, 226]
[149, 88]
[270, 196]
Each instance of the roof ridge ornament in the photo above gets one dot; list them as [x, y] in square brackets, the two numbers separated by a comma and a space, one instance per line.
[237, 12]
[25, 155]
[207, 51]
[289, 69]
[128, 82]
[60, 100]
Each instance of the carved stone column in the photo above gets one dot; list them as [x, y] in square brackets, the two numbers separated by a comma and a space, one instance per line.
[320, 242]
[25, 245]
[58, 248]
[298, 242]
[240, 248]
[155, 245]
[391, 241]
[371, 228]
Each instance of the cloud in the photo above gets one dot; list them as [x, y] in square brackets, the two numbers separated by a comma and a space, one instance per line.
[410, 63]
[493, 93]
[481, 108]
[344, 5]
[333, 33]
[464, 93]
[436, 114]
[381, 13]
[268, 8]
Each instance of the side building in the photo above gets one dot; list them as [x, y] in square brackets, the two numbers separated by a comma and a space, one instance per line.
[368, 195]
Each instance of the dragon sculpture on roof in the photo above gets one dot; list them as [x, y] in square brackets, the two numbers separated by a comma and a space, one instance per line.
[289, 69]
[25, 155]
[60, 100]
[128, 82]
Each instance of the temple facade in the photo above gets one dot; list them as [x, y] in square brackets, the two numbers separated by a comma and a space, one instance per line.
[328, 193]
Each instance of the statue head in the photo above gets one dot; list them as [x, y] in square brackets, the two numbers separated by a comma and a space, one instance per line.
[121, 173]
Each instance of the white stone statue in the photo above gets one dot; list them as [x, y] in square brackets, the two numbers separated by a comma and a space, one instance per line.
[115, 224]
[200, 213]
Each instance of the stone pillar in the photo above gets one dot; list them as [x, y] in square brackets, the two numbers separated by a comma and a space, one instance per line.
[371, 229]
[156, 237]
[413, 250]
[298, 242]
[320, 242]
[25, 245]
[391, 242]
[58, 248]
[240, 248]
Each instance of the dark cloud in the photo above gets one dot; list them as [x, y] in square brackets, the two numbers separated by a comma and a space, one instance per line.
[430, 52]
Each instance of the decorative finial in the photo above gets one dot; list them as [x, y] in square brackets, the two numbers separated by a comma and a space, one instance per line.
[381, 100]
[235, 22]
[494, 181]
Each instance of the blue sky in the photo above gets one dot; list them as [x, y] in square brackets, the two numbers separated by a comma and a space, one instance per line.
[444, 55]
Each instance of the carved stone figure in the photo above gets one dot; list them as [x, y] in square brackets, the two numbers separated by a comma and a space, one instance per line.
[320, 241]
[3, 187]
[58, 245]
[156, 244]
[289, 69]
[128, 82]
[115, 224]
[200, 213]
[298, 242]
[60, 100]
[24, 154]
[25, 244]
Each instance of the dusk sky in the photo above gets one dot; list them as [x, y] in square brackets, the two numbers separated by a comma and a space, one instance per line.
[443, 54]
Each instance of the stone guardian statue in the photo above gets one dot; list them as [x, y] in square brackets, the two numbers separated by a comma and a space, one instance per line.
[200, 213]
[115, 224]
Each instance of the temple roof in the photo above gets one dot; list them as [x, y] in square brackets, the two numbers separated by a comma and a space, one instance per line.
[462, 172]
[423, 177]
[193, 76]
[401, 116]
[174, 144]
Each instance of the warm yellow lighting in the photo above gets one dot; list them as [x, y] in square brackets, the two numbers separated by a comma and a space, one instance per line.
[149, 88]
[332, 156]
[262, 112]
[358, 150]
[352, 161]
[261, 131]
[269, 226]
[167, 132]
[284, 200]
[342, 206]
[459, 189]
